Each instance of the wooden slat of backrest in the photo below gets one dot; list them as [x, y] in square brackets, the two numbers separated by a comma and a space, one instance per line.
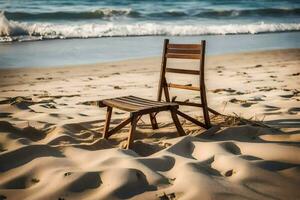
[183, 71]
[184, 46]
[187, 87]
[183, 51]
[184, 56]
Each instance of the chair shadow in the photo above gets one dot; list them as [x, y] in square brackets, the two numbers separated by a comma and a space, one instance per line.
[284, 123]
[250, 133]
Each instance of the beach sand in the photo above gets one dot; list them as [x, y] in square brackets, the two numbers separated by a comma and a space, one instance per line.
[51, 145]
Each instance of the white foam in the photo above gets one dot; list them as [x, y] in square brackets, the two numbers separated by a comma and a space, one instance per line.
[48, 30]
[10, 28]
[108, 12]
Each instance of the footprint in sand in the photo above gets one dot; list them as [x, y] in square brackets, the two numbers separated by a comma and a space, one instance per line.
[295, 74]
[243, 103]
[293, 94]
[287, 96]
[269, 108]
[117, 87]
[272, 110]
[220, 67]
[255, 66]
[257, 98]
[49, 105]
[265, 88]
[44, 78]
[5, 114]
[35, 180]
[229, 173]
[81, 114]
[169, 196]
[294, 110]
[228, 90]
[67, 174]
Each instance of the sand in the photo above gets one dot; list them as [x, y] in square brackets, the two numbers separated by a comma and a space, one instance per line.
[51, 145]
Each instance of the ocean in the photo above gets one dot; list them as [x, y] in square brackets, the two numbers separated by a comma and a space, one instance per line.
[47, 21]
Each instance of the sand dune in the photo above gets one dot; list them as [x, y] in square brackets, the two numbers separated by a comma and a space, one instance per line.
[51, 145]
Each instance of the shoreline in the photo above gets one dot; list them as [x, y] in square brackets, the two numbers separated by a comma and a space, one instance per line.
[137, 36]
[91, 65]
[88, 51]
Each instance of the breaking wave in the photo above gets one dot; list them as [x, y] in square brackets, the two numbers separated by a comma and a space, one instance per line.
[16, 31]
[169, 14]
[262, 12]
[69, 15]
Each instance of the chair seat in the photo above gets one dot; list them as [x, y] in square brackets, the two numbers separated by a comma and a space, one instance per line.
[137, 104]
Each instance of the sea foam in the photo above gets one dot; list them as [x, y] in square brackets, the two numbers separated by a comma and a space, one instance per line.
[20, 31]
[10, 28]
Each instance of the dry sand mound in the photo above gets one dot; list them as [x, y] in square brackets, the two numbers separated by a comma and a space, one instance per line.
[210, 167]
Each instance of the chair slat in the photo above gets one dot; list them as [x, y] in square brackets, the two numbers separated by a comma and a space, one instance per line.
[130, 103]
[183, 71]
[184, 51]
[184, 46]
[183, 56]
[145, 100]
[120, 105]
[187, 87]
[139, 102]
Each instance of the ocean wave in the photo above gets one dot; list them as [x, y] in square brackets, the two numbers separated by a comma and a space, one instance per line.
[104, 13]
[69, 15]
[262, 12]
[16, 31]
[210, 13]
[10, 28]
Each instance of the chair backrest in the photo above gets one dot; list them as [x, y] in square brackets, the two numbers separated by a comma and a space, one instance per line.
[184, 51]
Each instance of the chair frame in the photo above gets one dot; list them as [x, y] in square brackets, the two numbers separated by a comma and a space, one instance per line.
[178, 51]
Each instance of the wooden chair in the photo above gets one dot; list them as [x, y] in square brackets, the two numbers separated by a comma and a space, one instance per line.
[139, 106]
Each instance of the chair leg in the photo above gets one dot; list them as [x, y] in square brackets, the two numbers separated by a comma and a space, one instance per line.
[153, 121]
[107, 122]
[206, 116]
[133, 123]
[205, 107]
[177, 122]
